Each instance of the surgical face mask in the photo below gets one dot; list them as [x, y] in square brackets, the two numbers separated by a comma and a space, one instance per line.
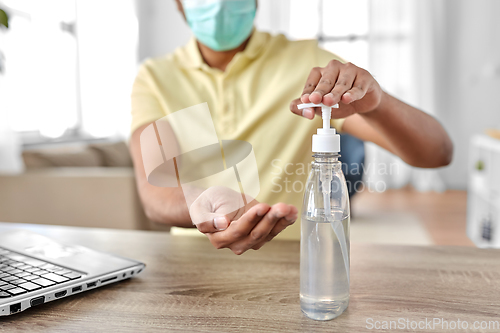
[220, 24]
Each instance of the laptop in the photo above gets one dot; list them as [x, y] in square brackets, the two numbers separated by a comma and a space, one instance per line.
[35, 270]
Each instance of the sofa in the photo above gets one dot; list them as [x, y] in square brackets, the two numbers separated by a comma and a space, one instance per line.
[86, 185]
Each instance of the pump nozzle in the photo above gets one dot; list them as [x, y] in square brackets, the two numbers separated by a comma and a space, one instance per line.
[326, 140]
[326, 111]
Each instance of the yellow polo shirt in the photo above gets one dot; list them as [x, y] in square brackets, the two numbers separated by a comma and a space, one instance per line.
[248, 101]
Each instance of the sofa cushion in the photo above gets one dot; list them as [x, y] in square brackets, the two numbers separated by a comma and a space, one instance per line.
[114, 154]
[59, 158]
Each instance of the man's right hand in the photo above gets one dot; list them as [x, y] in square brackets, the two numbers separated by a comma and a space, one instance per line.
[220, 213]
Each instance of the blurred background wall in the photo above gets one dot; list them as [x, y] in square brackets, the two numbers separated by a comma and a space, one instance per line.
[158, 20]
[469, 77]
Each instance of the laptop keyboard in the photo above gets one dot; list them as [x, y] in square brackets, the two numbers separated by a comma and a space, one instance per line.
[20, 274]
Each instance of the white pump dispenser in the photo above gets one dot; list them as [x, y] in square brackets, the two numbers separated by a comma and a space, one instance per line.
[326, 140]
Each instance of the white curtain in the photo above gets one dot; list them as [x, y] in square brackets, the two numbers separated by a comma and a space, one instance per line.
[406, 41]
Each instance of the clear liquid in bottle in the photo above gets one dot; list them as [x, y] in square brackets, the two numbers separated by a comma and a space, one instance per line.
[324, 244]
[324, 285]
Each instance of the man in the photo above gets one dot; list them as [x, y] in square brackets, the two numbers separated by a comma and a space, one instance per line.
[249, 79]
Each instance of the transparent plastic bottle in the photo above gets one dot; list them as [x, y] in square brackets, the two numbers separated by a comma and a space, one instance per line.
[324, 245]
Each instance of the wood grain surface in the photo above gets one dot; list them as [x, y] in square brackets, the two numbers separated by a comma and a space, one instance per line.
[442, 214]
[188, 286]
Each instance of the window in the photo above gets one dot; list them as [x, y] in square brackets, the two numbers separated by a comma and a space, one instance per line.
[38, 79]
[340, 26]
[68, 67]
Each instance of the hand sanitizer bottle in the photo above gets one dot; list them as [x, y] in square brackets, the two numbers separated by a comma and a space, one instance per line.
[324, 243]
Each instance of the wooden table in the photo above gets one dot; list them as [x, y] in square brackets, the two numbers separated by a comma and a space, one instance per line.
[189, 286]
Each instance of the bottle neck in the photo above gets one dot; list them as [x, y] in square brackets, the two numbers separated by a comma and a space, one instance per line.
[326, 157]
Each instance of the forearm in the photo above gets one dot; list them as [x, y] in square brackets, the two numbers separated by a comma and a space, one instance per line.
[165, 205]
[411, 134]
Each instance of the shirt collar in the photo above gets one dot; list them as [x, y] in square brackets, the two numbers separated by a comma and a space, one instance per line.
[189, 56]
